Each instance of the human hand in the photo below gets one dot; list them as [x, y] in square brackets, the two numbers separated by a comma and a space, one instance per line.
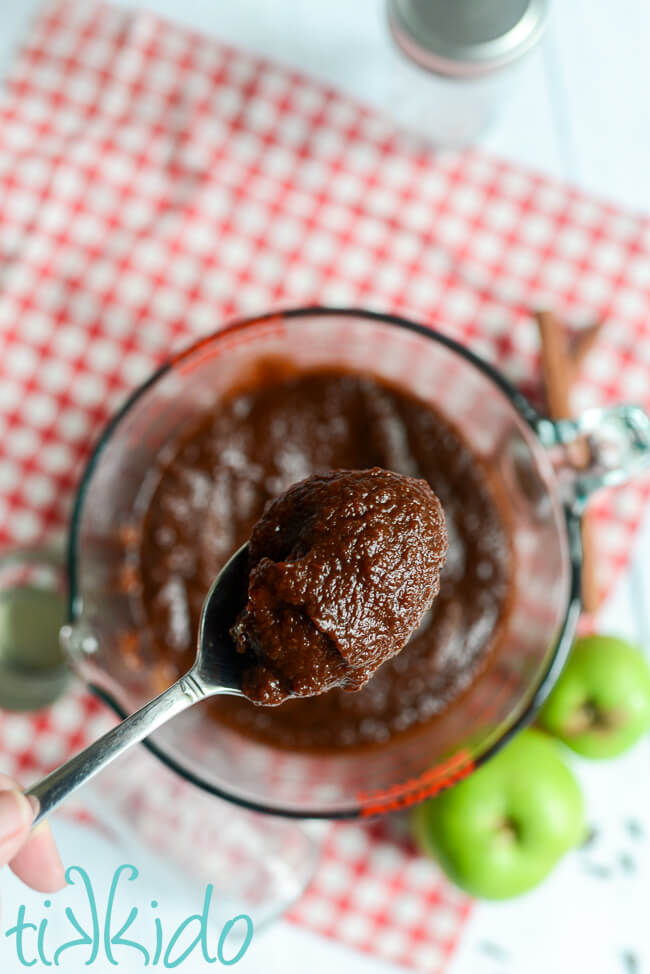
[32, 855]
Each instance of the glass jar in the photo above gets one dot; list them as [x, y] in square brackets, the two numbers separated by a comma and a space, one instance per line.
[458, 61]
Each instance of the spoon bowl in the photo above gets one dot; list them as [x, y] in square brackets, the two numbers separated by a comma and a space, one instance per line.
[218, 666]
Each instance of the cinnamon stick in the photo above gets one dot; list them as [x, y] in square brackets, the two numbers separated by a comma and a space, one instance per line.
[556, 365]
[559, 364]
[583, 343]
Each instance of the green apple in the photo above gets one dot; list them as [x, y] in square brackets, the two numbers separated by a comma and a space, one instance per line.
[500, 831]
[600, 705]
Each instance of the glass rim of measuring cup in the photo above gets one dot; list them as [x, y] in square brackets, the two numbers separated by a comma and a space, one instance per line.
[533, 422]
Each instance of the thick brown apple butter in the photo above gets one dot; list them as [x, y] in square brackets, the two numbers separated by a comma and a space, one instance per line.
[262, 440]
[343, 566]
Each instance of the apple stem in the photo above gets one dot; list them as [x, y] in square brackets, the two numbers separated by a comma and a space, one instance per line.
[509, 829]
[592, 717]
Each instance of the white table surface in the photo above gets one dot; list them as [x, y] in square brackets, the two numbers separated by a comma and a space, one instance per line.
[580, 112]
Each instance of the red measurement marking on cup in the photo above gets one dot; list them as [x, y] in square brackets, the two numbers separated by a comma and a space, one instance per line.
[424, 786]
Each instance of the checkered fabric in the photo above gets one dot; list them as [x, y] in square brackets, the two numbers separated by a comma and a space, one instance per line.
[154, 184]
[374, 892]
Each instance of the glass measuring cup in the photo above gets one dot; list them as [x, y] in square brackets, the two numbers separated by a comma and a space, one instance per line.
[531, 469]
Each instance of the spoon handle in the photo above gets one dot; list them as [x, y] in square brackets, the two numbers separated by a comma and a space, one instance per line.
[52, 790]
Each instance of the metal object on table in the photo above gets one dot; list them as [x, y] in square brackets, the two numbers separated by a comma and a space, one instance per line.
[33, 670]
[469, 50]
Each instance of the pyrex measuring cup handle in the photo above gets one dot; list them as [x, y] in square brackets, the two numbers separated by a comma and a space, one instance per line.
[617, 447]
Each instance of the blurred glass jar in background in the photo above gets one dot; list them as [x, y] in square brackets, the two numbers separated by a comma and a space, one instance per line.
[462, 57]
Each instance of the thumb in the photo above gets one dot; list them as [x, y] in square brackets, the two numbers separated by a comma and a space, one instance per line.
[16, 816]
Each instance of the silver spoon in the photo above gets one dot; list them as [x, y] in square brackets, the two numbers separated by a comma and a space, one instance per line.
[215, 671]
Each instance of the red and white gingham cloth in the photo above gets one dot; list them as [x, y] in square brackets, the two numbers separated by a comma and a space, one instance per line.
[154, 184]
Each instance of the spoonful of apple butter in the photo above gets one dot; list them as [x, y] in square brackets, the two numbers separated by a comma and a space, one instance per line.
[342, 569]
[338, 573]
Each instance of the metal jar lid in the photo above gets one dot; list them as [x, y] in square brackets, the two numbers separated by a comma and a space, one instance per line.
[465, 38]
